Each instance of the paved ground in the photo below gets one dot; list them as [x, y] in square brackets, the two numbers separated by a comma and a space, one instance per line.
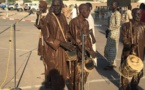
[30, 69]
[14, 15]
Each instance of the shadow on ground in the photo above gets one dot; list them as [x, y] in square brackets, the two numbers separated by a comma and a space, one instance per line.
[111, 75]
[54, 81]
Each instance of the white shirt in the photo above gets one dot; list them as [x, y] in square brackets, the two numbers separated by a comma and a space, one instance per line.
[91, 26]
[74, 13]
[128, 15]
[91, 22]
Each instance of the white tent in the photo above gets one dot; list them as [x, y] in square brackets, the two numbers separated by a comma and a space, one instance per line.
[141, 1]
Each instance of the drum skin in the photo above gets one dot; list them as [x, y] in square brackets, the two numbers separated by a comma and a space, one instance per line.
[132, 66]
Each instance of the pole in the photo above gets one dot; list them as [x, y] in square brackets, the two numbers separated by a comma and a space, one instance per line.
[83, 58]
[14, 54]
[14, 43]
[24, 69]
[14, 39]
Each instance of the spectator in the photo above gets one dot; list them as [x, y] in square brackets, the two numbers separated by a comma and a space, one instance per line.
[96, 12]
[92, 35]
[143, 13]
[141, 6]
[111, 47]
[128, 14]
[64, 10]
[103, 12]
[74, 12]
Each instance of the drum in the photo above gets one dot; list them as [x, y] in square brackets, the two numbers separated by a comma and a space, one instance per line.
[131, 67]
[71, 55]
[88, 66]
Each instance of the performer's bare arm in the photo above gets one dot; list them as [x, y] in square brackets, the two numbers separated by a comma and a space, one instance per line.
[92, 36]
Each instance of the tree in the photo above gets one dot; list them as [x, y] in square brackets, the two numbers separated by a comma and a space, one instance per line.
[11, 1]
[134, 1]
[27, 1]
[49, 1]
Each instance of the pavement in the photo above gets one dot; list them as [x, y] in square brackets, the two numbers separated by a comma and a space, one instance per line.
[30, 68]
[14, 15]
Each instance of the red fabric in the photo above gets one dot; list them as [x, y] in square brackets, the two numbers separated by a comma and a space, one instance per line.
[142, 16]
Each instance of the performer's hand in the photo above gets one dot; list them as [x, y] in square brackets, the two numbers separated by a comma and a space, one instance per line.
[91, 52]
[134, 46]
[92, 36]
[67, 46]
[80, 48]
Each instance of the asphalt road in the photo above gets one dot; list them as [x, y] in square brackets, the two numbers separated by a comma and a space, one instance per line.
[30, 69]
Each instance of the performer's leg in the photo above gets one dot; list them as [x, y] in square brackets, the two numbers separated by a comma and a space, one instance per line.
[77, 76]
[75, 79]
[40, 49]
[135, 81]
[95, 59]
[125, 83]
[86, 74]
[44, 62]
[72, 75]
[79, 79]
[45, 69]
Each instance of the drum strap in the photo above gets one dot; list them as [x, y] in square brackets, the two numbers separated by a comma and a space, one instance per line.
[60, 27]
[63, 36]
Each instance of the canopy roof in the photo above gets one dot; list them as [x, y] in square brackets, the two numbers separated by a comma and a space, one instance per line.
[121, 2]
